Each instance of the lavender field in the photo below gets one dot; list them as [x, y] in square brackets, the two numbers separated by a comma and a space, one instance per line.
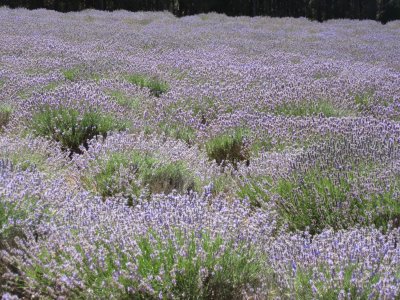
[144, 156]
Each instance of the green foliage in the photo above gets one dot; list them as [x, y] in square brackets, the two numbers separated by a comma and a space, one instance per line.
[228, 147]
[78, 72]
[177, 73]
[51, 86]
[170, 268]
[71, 74]
[204, 17]
[310, 108]
[96, 77]
[72, 128]
[5, 114]
[179, 131]
[26, 159]
[124, 100]
[127, 173]
[167, 177]
[316, 200]
[256, 190]
[224, 276]
[89, 19]
[36, 71]
[223, 184]
[384, 206]
[267, 144]
[25, 93]
[105, 182]
[364, 100]
[155, 85]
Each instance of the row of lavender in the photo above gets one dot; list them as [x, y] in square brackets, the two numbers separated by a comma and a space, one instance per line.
[145, 156]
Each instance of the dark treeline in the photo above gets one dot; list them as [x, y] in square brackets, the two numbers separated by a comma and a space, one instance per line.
[381, 10]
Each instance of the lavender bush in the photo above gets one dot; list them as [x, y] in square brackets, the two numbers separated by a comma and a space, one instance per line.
[149, 157]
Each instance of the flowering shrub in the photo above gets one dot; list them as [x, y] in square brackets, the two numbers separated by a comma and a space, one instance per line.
[317, 200]
[72, 130]
[21, 206]
[145, 156]
[161, 268]
[228, 147]
[129, 173]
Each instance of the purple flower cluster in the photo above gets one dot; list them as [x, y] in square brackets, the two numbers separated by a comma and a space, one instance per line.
[309, 98]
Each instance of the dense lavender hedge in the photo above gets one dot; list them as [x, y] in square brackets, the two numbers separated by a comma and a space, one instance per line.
[207, 157]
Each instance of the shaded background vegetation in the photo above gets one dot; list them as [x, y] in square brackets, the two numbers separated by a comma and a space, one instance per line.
[381, 10]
